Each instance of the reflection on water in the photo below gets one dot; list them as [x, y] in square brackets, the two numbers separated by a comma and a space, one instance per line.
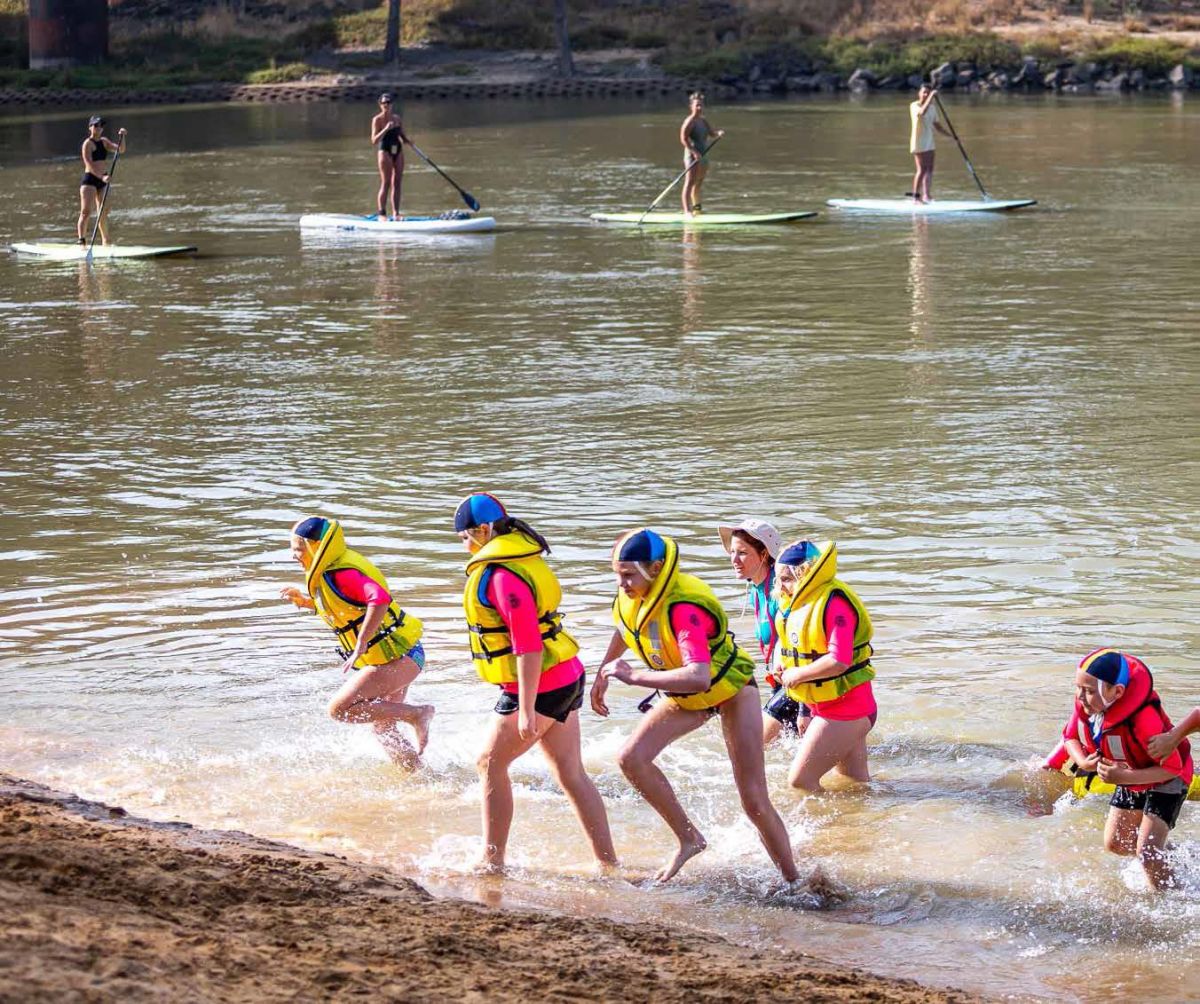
[996, 419]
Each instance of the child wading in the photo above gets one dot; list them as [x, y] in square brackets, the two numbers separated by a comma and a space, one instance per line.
[1117, 716]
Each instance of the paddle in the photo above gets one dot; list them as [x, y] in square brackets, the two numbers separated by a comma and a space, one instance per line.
[103, 199]
[662, 195]
[970, 166]
[467, 197]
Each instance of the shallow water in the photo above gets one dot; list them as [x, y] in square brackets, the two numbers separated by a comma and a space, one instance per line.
[995, 417]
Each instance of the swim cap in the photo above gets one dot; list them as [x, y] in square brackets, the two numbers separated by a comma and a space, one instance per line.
[641, 545]
[477, 509]
[800, 554]
[313, 528]
[1106, 664]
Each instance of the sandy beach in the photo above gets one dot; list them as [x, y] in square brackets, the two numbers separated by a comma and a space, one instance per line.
[100, 905]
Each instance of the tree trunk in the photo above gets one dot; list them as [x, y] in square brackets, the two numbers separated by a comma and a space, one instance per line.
[566, 66]
[391, 46]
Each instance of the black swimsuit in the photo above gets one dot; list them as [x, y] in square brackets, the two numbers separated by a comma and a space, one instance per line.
[390, 141]
[99, 152]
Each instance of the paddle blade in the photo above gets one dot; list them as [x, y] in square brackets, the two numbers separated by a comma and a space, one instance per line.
[470, 200]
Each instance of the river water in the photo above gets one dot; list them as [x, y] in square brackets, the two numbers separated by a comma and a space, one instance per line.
[995, 417]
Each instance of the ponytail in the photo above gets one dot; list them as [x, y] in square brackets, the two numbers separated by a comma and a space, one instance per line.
[507, 524]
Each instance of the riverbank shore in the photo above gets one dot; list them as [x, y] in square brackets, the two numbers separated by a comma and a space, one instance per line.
[101, 905]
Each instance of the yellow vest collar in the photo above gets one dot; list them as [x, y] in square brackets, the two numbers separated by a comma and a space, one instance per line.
[507, 547]
[331, 547]
[647, 607]
[823, 571]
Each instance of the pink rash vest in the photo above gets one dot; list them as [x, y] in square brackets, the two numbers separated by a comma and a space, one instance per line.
[512, 599]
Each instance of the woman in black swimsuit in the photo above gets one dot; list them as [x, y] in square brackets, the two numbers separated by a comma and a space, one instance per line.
[95, 151]
[387, 136]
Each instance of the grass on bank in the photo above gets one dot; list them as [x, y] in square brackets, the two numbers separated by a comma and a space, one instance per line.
[709, 39]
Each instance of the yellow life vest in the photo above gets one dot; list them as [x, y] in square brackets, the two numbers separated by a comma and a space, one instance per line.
[645, 624]
[397, 633]
[802, 638]
[491, 644]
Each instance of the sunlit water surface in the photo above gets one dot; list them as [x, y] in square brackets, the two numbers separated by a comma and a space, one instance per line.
[996, 418]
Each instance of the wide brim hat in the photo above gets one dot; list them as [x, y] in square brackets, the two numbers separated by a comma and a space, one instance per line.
[762, 531]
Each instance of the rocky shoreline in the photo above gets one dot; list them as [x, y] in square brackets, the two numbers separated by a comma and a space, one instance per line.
[1031, 76]
[98, 905]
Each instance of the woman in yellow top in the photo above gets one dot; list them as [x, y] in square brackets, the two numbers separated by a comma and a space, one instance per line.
[677, 627]
[924, 115]
[376, 639]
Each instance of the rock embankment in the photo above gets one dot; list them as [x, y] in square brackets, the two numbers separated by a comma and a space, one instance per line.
[1031, 74]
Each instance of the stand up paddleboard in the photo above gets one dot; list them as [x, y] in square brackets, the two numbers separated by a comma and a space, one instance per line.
[447, 224]
[911, 207]
[62, 251]
[700, 220]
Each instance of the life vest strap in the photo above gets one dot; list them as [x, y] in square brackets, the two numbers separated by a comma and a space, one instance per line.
[720, 673]
[383, 632]
[552, 628]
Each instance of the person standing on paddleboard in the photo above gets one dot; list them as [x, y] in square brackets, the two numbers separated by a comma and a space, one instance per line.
[678, 629]
[388, 138]
[518, 643]
[697, 136]
[924, 116]
[753, 545]
[95, 151]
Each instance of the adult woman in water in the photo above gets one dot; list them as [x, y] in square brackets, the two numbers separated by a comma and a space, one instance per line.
[825, 648]
[925, 119]
[95, 150]
[753, 545]
[518, 642]
[377, 640]
[676, 625]
[697, 136]
[388, 138]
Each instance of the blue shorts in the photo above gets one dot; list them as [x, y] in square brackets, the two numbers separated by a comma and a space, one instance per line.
[417, 654]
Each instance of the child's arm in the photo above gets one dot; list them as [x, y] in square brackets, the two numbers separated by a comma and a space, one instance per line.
[293, 595]
[1079, 758]
[1116, 774]
[1162, 746]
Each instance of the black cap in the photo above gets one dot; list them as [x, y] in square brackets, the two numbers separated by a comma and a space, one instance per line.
[385, 96]
[95, 120]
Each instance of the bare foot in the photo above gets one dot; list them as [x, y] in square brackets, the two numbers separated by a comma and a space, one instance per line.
[421, 727]
[487, 866]
[687, 850]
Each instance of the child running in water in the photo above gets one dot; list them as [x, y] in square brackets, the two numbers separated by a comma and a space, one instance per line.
[1117, 716]
[376, 639]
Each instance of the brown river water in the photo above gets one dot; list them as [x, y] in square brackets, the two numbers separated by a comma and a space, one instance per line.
[995, 417]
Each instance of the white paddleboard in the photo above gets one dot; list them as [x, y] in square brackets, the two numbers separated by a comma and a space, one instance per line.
[449, 224]
[663, 219]
[63, 251]
[912, 207]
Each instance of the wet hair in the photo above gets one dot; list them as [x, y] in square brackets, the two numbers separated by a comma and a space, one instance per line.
[747, 538]
[313, 528]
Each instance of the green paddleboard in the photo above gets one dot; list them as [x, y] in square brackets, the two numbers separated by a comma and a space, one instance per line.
[700, 220]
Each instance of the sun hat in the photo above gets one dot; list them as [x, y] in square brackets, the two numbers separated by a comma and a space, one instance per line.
[759, 529]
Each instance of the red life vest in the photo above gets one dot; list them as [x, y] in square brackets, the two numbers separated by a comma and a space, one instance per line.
[1118, 738]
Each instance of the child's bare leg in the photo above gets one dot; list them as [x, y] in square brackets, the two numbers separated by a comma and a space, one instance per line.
[1152, 850]
[1121, 831]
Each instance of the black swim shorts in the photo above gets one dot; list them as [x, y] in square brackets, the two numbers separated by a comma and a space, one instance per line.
[1155, 802]
[557, 704]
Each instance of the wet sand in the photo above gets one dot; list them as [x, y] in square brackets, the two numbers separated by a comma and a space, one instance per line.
[99, 905]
